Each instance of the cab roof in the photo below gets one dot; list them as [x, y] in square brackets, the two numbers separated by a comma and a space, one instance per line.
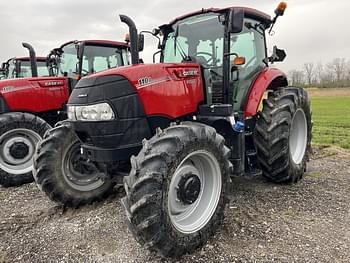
[100, 43]
[249, 12]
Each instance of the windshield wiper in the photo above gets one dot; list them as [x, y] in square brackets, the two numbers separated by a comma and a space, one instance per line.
[176, 44]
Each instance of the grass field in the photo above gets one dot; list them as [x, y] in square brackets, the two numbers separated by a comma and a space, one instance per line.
[331, 116]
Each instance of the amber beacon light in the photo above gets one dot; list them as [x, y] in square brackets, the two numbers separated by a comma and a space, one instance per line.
[281, 8]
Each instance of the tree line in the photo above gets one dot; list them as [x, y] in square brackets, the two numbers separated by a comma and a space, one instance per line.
[330, 75]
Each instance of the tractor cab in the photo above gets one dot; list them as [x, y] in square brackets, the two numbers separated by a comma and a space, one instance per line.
[229, 44]
[77, 59]
[21, 68]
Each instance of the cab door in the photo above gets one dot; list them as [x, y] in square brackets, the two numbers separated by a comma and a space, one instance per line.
[249, 43]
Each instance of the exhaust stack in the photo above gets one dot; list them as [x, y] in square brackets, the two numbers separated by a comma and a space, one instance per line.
[133, 38]
[32, 56]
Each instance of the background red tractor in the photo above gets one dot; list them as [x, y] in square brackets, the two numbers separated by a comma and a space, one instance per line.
[30, 106]
[193, 122]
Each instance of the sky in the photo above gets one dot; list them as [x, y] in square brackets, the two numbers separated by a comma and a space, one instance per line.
[310, 31]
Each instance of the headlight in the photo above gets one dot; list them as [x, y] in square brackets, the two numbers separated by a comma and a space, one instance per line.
[95, 112]
[71, 113]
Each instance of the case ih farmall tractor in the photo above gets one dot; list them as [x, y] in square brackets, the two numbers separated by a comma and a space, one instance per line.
[192, 121]
[30, 106]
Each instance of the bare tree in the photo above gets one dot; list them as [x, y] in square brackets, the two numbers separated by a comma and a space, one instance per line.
[347, 77]
[319, 72]
[339, 68]
[309, 72]
[296, 77]
[335, 73]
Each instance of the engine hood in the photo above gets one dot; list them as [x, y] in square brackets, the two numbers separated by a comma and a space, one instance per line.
[144, 75]
[165, 89]
[13, 85]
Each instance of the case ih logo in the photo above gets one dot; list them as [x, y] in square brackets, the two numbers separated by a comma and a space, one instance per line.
[53, 83]
[190, 73]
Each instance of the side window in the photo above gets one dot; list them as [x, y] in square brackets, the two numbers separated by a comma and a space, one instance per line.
[244, 45]
[251, 45]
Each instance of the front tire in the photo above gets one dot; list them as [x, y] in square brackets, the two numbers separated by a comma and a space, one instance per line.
[65, 175]
[19, 134]
[283, 135]
[177, 187]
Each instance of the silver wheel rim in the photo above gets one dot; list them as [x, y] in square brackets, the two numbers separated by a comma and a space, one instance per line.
[189, 218]
[87, 181]
[298, 137]
[24, 164]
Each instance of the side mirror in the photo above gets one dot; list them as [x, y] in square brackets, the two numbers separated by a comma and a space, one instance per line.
[278, 55]
[141, 42]
[236, 20]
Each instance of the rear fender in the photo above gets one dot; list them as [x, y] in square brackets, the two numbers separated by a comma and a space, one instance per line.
[268, 79]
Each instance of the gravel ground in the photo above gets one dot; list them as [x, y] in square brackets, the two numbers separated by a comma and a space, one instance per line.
[306, 222]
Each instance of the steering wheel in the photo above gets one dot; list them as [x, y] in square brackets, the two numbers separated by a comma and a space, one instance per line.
[209, 60]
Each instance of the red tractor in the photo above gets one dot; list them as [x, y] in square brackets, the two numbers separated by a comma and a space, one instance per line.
[193, 122]
[30, 106]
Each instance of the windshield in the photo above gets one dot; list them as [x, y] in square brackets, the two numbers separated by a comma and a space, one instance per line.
[95, 59]
[69, 61]
[198, 37]
[25, 69]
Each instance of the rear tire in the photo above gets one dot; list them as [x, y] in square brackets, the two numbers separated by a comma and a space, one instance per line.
[19, 134]
[64, 174]
[283, 135]
[177, 187]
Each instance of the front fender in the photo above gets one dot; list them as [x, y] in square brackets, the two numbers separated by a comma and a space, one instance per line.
[269, 78]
